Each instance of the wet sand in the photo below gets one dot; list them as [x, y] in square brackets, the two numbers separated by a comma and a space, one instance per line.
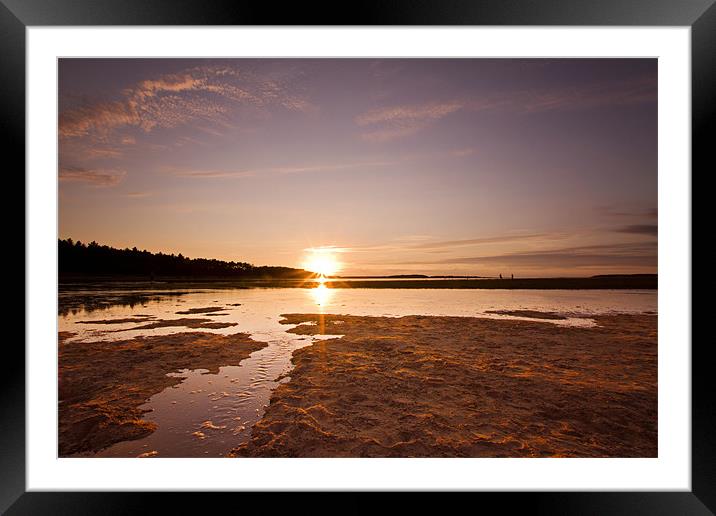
[194, 323]
[530, 314]
[208, 310]
[151, 322]
[102, 384]
[429, 386]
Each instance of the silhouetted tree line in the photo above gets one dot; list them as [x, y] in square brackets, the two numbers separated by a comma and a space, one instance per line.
[101, 260]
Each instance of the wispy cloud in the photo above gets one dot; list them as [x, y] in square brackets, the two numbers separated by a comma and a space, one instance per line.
[99, 118]
[399, 114]
[619, 93]
[392, 122]
[621, 211]
[210, 173]
[625, 254]
[487, 240]
[95, 177]
[102, 152]
[203, 94]
[138, 195]
[639, 229]
[259, 171]
[87, 151]
[461, 153]
[327, 249]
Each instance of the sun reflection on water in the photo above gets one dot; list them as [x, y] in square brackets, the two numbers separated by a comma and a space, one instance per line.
[321, 294]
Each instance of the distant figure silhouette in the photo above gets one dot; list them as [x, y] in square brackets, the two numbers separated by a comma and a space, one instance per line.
[500, 276]
[512, 276]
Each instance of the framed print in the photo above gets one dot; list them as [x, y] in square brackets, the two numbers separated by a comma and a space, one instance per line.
[440, 249]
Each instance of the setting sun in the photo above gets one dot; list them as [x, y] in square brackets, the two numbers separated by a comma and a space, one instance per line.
[322, 261]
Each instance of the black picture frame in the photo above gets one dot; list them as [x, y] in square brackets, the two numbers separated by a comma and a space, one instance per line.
[700, 15]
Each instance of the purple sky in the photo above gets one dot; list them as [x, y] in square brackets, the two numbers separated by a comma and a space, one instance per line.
[531, 167]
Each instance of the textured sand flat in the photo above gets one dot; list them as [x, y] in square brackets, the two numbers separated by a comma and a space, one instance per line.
[102, 384]
[467, 387]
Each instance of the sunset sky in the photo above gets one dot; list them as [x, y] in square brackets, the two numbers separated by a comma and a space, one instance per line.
[531, 167]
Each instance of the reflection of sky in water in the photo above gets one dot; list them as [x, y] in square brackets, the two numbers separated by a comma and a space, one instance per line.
[208, 414]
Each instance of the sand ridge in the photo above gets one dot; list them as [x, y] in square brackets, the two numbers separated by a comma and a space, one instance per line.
[425, 386]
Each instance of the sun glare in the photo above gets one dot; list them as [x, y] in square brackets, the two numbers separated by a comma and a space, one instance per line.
[322, 261]
[321, 295]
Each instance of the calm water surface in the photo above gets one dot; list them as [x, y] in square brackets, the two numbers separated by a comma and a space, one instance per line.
[208, 414]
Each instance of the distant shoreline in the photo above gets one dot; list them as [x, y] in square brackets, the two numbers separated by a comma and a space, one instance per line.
[606, 282]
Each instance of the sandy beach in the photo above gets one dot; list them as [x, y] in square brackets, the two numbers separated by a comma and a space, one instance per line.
[103, 384]
[428, 386]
